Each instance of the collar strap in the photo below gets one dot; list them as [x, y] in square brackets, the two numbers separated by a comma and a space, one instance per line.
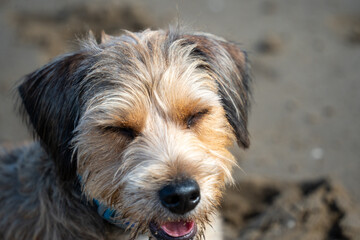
[107, 213]
[110, 215]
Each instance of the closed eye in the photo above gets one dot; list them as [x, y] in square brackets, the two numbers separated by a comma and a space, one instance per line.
[194, 118]
[125, 131]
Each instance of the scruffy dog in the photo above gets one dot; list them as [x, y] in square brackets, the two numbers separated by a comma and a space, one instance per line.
[132, 136]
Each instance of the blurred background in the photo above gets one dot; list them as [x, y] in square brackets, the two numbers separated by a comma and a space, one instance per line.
[300, 179]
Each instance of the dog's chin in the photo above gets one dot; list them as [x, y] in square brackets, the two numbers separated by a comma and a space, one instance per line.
[177, 230]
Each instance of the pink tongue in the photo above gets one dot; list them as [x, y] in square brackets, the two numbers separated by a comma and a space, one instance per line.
[177, 229]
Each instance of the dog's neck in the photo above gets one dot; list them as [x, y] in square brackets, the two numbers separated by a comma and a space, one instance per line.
[107, 213]
[110, 215]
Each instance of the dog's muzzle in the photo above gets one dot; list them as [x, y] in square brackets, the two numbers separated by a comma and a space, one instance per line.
[179, 197]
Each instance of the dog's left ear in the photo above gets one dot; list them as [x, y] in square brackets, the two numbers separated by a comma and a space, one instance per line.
[51, 100]
[230, 67]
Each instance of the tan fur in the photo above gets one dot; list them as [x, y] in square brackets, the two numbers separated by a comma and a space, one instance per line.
[169, 98]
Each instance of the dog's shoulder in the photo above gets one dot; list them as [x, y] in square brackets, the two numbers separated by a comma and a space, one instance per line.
[33, 206]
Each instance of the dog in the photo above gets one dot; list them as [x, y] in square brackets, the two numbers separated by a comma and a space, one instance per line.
[131, 139]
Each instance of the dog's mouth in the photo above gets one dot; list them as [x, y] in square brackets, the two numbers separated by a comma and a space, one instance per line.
[177, 230]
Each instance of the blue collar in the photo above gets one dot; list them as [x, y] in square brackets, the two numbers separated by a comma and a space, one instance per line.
[108, 213]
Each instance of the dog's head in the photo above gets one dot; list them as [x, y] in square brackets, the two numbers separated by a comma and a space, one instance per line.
[145, 119]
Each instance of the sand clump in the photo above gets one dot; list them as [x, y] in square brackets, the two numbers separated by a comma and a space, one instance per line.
[266, 209]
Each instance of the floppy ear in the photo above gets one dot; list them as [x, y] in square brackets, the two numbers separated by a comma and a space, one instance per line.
[51, 102]
[230, 67]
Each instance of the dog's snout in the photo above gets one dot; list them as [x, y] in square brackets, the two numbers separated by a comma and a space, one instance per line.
[180, 197]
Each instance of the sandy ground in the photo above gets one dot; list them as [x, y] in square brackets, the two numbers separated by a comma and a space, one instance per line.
[305, 57]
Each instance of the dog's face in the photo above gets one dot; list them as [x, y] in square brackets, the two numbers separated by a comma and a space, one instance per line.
[145, 119]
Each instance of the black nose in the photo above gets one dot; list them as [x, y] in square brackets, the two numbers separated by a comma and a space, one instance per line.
[180, 197]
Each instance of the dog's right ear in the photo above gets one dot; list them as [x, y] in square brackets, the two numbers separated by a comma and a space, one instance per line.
[51, 102]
